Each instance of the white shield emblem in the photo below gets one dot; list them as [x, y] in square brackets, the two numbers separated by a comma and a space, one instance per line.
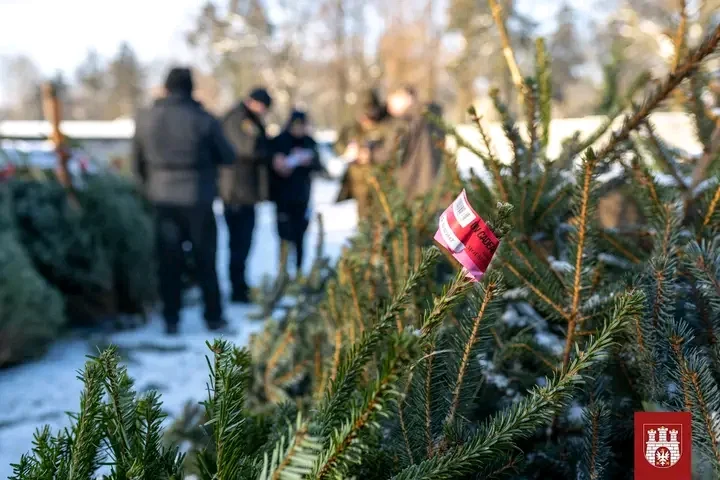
[662, 444]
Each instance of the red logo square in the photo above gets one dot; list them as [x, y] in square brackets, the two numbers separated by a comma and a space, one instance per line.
[663, 441]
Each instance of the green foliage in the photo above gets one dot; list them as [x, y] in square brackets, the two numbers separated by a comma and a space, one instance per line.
[31, 310]
[64, 250]
[397, 366]
[334, 440]
[116, 431]
[118, 216]
[98, 253]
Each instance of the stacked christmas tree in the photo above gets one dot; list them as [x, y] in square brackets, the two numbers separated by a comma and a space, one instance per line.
[93, 255]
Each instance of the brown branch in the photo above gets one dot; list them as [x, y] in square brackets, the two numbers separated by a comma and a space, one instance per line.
[680, 34]
[712, 207]
[508, 53]
[662, 91]
[582, 226]
[52, 110]
[469, 344]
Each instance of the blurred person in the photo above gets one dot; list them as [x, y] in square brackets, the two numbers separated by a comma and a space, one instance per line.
[246, 183]
[359, 143]
[296, 158]
[177, 148]
[421, 160]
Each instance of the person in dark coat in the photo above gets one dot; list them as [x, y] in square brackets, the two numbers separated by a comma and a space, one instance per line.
[422, 151]
[246, 182]
[177, 149]
[296, 158]
[358, 143]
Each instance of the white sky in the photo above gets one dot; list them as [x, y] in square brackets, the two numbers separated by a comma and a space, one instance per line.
[57, 34]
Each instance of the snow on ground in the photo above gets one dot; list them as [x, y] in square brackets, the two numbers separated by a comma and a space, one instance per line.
[40, 393]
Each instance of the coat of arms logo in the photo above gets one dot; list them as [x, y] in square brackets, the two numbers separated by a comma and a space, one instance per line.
[663, 447]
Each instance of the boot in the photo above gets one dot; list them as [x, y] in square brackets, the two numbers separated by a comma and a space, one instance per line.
[241, 294]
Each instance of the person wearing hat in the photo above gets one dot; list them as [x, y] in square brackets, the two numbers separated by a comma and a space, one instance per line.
[358, 143]
[246, 182]
[296, 158]
[177, 149]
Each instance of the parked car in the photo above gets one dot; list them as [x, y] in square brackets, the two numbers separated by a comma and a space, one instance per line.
[13, 158]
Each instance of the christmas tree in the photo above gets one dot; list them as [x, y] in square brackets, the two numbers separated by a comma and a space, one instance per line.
[406, 369]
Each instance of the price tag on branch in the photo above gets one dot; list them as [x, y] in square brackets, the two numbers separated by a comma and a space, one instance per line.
[467, 237]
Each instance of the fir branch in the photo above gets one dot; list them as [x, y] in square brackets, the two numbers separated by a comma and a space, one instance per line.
[597, 434]
[507, 50]
[531, 112]
[680, 39]
[428, 396]
[664, 157]
[645, 180]
[452, 293]
[712, 207]
[632, 122]
[87, 433]
[542, 296]
[492, 164]
[380, 193]
[225, 409]
[489, 289]
[702, 396]
[343, 386]
[401, 418]
[520, 150]
[336, 354]
[293, 460]
[281, 348]
[544, 80]
[540, 188]
[120, 416]
[497, 437]
[345, 445]
[575, 146]
[582, 220]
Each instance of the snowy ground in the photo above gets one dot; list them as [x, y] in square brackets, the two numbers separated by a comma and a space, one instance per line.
[40, 393]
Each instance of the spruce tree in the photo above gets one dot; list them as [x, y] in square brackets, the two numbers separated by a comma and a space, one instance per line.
[402, 368]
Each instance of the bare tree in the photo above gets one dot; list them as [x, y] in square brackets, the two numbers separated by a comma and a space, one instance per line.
[92, 82]
[21, 83]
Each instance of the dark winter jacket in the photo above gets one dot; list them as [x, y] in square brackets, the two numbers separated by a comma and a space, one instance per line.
[421, 152]
[296, 187]
[177, 148]
[354, 183]
[246, 182]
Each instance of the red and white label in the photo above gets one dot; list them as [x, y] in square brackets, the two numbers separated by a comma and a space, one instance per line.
[462, 232]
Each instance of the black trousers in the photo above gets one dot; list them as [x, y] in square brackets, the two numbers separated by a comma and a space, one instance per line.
[292, 223]
[240, 220]
[176, 224]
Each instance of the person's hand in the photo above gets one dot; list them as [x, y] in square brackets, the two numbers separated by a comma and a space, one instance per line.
[351, 152]
[306, 157]
[281, 166]
[363, 156]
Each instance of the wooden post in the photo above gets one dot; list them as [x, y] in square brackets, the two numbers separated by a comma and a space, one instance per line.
[53, 115]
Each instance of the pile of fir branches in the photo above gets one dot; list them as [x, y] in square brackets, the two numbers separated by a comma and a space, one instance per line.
[407, 370]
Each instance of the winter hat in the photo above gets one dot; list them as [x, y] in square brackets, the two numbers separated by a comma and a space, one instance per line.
[296, 116]
[261, 95]
[179, 80]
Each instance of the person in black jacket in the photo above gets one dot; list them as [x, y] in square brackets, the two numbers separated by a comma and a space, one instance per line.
[245, 183]
[296, 157]
[177, 148]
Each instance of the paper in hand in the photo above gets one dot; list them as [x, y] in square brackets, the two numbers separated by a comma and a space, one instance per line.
[293, 160]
